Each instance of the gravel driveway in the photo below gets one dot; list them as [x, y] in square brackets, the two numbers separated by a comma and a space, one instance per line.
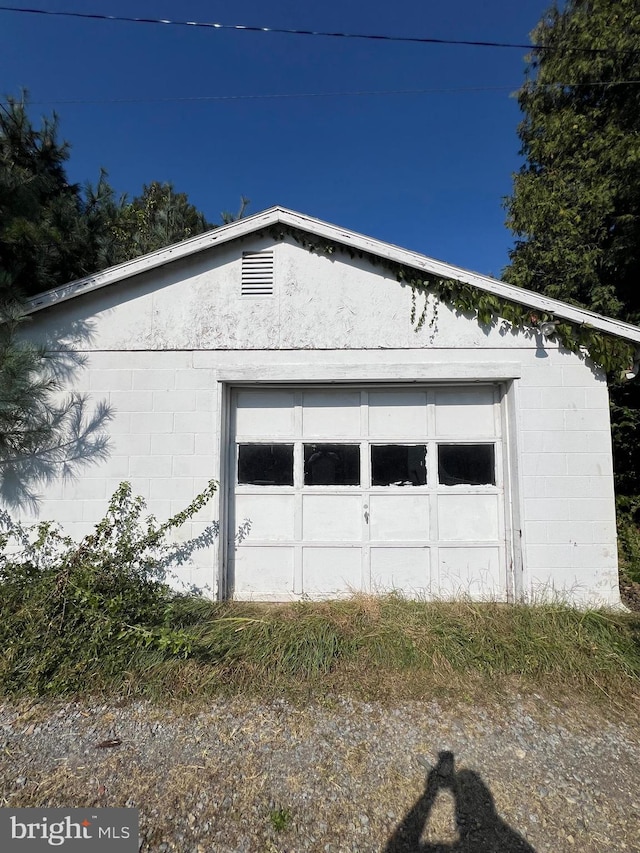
[338, 775]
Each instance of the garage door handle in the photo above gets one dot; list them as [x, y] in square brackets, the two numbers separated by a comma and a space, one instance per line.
[366, 515]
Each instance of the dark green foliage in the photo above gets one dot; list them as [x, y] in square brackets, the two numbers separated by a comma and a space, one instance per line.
[70, 612]
[42, 233]
[625, 433]
[629, 537]
[575, 208]
[280, 819]
[52, 232]
[227, 217]
[44, 241]
[158, 217]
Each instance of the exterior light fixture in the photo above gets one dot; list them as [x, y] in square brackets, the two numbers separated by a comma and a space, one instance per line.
[632, 371]
[548, 328]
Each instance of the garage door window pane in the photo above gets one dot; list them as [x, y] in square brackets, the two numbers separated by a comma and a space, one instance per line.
[466, 464]
[398, 465]
[265, 464]
[332, 465]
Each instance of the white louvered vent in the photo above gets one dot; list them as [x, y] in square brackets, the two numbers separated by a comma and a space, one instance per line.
[257, 273]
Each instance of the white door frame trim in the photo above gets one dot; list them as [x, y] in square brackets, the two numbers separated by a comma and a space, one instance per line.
[308, 374]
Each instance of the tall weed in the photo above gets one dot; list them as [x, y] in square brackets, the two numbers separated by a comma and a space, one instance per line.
[69, 611]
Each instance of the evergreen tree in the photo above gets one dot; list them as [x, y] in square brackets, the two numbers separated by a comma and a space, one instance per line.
[158, 217]
[43, 431]
[52, 232]
[43, 242]
[41, 228]
[575, 208]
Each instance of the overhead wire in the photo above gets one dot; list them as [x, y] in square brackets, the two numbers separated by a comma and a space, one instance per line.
[95, 16]
[290, 31]
[300, 95]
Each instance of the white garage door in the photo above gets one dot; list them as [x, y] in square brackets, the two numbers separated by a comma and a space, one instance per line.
[374, 490]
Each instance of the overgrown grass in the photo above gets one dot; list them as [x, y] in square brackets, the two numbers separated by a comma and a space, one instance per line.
[369, 647]
[383, 645]
[95, 616]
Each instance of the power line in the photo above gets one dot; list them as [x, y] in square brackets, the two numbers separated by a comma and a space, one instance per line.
[299, 95]
[94, 16]
[280, 95]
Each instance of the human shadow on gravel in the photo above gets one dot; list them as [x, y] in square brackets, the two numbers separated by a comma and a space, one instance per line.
[479, 826]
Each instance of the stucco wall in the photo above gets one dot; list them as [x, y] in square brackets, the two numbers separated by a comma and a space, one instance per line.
[159, 346]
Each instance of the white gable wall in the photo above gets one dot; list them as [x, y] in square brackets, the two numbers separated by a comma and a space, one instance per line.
[165, 348]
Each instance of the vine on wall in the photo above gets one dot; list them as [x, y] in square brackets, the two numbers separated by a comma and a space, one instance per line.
[607, 351]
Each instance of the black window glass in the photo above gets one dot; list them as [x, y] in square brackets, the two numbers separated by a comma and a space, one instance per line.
[468, 464]
[332, 465]
[398, 465]
[265, 464]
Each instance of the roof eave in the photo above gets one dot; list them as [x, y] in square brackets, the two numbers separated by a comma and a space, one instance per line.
[358, 242]
[153, 260]
[440, 269]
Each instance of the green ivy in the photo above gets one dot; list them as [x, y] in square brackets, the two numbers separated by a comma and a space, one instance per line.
[609, 352]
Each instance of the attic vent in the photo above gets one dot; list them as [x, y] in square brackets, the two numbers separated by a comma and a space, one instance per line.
[257, 274]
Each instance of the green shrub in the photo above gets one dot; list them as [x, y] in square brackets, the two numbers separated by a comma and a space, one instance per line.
[628, 511]
[71, 611]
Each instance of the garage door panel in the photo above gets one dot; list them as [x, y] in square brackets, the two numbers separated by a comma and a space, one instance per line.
[468, 518]
[330, 518]
[467, 412]
[272, 517]
[331, 571]
[401, 414]
[331, 415]
[472, 572]
[258, 411]
[264, 571]
[387, 488]
[405, 570]
[399, 517]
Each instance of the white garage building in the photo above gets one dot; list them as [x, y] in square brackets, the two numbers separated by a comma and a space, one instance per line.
[277, 355]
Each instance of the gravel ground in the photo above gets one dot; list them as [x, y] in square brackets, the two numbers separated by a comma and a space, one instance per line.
[337, 775]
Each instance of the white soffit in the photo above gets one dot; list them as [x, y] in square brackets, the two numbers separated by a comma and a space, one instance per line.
[351, 239]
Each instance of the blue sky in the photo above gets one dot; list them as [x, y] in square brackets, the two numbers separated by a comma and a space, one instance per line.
[425, 171]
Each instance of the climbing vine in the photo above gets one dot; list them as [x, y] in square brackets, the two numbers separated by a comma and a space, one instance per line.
[607, 351]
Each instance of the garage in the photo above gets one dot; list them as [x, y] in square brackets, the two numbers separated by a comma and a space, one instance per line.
[372, 426]
[372, 489]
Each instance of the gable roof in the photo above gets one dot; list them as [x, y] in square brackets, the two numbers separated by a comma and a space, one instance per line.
[350, 240]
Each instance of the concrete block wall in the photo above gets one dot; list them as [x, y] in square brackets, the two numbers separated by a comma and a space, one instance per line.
[163, 440]
[569, 534]
[155, 356]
